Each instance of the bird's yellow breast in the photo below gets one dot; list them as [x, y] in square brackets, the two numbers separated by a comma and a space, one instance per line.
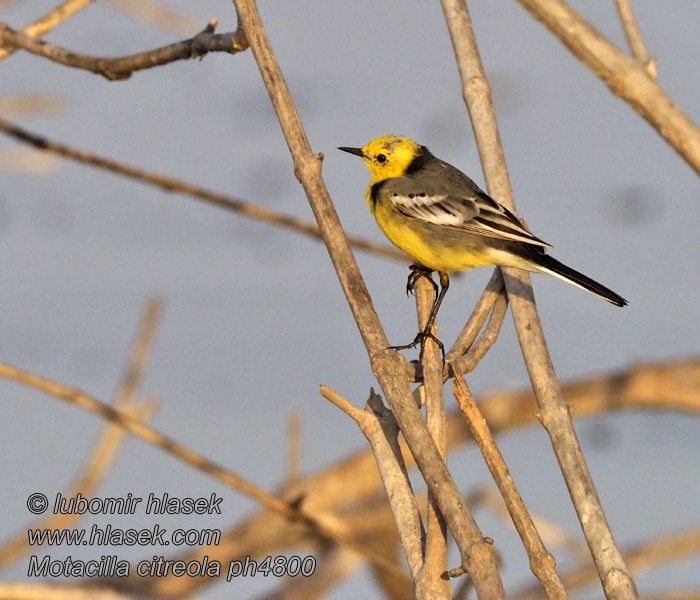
[434, 246]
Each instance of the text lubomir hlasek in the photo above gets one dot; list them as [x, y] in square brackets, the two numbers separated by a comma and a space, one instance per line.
[155, 505]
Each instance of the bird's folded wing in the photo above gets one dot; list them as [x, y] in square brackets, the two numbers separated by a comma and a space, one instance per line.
[477, 213]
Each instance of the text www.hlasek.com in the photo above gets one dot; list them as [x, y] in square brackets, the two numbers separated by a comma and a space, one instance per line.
[113, 536]
[111, 565]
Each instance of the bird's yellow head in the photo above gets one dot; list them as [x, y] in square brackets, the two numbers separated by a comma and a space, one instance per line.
[387, 156]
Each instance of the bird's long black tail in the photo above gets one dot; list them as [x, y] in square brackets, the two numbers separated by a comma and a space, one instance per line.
[550, 265]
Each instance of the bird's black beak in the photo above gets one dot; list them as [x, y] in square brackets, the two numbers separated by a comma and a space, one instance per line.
[355, 151]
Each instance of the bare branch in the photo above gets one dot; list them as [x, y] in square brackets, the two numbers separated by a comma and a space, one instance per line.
[541, 561]
[354, 480]
[468, 362]
[51, 19]
[640, 558]
[634, 36]
[624, 76]
[123, 66]
[325, 525]
[379, 427]
[172, 184]
[494, 288]
[554, 413]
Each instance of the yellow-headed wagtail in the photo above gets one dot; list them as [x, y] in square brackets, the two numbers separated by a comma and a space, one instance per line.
[445, 222]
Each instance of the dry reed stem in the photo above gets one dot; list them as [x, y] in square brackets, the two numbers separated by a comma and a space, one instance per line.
[121, 67]
[173, 184]
[624, 76]
[554, 413]
[542, 562]
[104, 453]
[51, 19]
[389, 368]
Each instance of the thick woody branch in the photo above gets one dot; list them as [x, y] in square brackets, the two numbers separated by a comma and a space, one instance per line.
[624, 76]
[389, 368]
[554, 413]
[122, 67]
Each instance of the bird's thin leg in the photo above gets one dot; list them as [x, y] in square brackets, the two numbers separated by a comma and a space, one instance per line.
[421, 336]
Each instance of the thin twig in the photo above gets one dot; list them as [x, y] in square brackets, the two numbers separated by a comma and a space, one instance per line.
[494, 288]
[554, 413]
[468, 362]
[624, 76]
[293, 473]
[541, 561]
[389, 368]
[173, 184]
[51, 19]
[121, 67]
[634, 36]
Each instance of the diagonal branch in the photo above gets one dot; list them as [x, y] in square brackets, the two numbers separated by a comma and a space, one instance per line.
[624, 76]
[123, 66]
[554, 412]
[541, 561]
[50, 20]
[324, 525]
[172, 184]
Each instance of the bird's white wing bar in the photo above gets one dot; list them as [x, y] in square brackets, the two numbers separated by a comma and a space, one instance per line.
[480, 215]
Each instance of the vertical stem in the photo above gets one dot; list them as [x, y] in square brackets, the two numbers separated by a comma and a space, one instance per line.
[430, 582]
[554, 412]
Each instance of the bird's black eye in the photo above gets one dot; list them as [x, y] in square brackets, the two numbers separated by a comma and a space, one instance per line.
[381, 158]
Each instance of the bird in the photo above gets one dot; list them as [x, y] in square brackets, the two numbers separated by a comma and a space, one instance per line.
[446, 223]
